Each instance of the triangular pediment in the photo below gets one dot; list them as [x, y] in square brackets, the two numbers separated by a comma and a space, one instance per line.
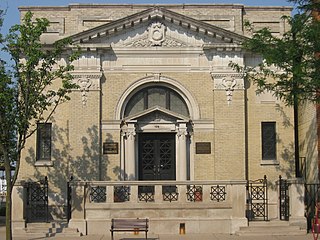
[157, 27]
[157, 114]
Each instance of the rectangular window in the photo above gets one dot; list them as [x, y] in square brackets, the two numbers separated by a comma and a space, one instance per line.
[268, 133]
[44, 141]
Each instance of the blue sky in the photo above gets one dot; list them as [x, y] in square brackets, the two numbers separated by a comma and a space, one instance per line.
[12, 16]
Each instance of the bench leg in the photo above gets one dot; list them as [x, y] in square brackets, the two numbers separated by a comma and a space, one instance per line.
[146, 235]
[112, 235]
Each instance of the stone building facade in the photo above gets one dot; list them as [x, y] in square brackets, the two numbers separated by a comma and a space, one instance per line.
[157, 101]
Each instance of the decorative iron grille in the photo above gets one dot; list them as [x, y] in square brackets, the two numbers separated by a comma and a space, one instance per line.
[194, 193]
[218, 193]
[121, 194]
[69, 198]
[284, 199]
[146, 193]
[98, 194]
[170, 193]
[37, 200]
[257, 200]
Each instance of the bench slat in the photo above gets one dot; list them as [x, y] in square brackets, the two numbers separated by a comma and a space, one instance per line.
[129, 225]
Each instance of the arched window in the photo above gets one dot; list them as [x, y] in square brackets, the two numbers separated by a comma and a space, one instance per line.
[156, 96]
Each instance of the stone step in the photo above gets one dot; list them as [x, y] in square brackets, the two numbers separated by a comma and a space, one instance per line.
[269, 223]
[270, 230]
[43, 230]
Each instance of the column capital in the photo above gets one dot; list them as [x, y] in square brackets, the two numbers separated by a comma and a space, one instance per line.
[128, 130]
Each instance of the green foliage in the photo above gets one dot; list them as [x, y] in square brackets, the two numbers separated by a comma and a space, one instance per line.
[30, 90]
[35, 70]
[290, 68]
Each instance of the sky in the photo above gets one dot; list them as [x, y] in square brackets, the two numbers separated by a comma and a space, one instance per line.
[12, 16]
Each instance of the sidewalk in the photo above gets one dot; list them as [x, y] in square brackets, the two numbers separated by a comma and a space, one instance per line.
[168, 237]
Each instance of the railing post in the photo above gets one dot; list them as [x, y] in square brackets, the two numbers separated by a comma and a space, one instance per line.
[297, 207]
[78, 204]
[110, 193]
[134, 193]
[18, 199]
[206, 193]
[238, 203]
[158, 193]
[182, 190]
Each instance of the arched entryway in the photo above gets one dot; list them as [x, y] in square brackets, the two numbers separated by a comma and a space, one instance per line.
[155, 133]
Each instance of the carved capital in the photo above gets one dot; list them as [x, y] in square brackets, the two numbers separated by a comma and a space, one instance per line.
[182, 133]
[129, 133]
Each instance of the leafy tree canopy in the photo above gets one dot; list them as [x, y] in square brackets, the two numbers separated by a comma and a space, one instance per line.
[290, 68]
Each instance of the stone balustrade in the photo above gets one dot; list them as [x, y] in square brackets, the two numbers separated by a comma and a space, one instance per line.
[200, 206]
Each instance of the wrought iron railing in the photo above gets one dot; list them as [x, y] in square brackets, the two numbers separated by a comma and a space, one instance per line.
[284, 199]
[257, 200]
[164, 191]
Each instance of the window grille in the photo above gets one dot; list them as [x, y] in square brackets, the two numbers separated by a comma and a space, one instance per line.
[156, 96]
[268, 133]
[44, 141]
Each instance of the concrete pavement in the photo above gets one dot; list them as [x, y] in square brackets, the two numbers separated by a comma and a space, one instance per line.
[167, 237]
[141, 236]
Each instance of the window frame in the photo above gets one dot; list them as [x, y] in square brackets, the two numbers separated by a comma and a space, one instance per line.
[146, 105]
[41, 138]
[272, 142]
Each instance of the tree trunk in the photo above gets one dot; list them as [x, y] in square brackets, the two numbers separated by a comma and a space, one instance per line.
[8, 209]
[7, 167]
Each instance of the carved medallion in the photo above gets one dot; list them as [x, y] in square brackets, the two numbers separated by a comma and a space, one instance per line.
[157, 33]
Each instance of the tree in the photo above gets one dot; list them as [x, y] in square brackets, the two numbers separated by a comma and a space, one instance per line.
[26, 92]
[289, 68]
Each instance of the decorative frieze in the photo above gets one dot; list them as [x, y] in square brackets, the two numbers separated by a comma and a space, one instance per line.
[145, 42]
[229, 83]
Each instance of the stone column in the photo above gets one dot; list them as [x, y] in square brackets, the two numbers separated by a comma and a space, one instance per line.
[79, 198]
[181, 166]
[129, 151]
[296, 195]
[237, 192]
[18, 198]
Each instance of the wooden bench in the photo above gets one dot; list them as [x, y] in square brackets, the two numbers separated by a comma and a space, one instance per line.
[129, 225]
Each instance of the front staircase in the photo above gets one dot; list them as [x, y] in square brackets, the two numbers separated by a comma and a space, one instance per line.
[271, 228]
[44, 230]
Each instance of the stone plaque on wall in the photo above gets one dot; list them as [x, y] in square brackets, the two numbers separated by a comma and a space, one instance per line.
[110, 148]
[203, 148]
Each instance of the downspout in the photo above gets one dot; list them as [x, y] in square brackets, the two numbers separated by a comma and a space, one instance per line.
[100, 121]
[296, 137]
[246, 134]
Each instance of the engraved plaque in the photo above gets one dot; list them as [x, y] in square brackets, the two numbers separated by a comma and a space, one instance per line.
[203, 148]
[110, 148]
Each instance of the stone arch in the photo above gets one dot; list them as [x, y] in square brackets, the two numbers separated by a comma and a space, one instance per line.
[160, 81]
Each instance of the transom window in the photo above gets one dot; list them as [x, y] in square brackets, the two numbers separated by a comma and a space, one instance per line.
[156, 96]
